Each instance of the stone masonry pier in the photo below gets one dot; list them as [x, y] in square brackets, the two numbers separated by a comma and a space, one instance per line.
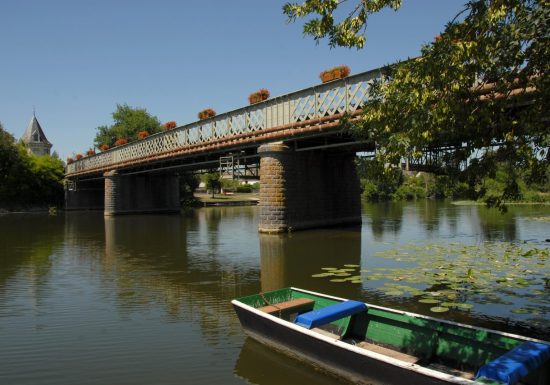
[307, 189]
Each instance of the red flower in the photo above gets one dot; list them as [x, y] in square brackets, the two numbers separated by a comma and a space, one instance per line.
[339, 72]
[170, 125]
[142, 134]
[104, 147]
[90, 152]
[121, 141]
[78, 156]
[258, 96]
[206, 113]
[70, 160]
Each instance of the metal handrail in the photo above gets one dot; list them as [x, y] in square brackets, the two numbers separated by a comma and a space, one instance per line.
[335, 97]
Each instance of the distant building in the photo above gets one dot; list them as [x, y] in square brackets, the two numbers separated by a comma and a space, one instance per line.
[35, 139]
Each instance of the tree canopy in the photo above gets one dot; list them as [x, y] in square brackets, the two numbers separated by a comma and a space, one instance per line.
[481, 87]
[349, 32]
[27, 179]
[128, 121]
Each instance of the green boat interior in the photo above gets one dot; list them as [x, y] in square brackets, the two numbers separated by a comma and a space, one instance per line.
[459, 350]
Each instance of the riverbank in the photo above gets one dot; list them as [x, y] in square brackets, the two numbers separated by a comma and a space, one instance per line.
[28, 210]
[511, 203]
[233, 199]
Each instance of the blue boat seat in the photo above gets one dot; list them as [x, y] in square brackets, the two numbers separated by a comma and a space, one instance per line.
[329, 314]
[517, 363]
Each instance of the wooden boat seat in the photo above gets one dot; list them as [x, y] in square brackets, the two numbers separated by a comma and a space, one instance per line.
[389, 352]
[330, 313]
[285, 309]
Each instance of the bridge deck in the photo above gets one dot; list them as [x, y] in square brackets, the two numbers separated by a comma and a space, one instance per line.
[283, 117]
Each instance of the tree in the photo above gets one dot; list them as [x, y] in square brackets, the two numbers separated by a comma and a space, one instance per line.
[349, 32]
[212, 182]
[10, 166]
[128, 122]
[481, 86]
[27, 179]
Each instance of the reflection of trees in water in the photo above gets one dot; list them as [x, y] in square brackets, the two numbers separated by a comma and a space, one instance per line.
[489, 224]
[28, 242]
[147, 263]
[384, 217]
[498, 226]
[429, 213]
[291, 259]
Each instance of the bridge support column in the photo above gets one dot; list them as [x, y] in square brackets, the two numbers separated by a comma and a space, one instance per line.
[87, 195]
[142, 193]
[307, 189]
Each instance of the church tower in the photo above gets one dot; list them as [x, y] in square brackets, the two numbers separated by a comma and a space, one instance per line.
[34, 138]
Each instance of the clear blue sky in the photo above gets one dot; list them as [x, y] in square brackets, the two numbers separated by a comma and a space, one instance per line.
[74, 60]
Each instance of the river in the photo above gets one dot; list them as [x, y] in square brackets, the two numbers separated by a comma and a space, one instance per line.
[146, 299]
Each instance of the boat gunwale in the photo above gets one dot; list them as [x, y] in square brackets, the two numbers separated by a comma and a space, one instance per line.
[378, 356]
[440, 320]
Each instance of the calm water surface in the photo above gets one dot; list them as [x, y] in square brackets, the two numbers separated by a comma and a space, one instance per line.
[145, 299]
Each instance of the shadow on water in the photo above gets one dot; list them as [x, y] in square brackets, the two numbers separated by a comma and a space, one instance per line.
[385, 217]
[291, 259]
[259, 364]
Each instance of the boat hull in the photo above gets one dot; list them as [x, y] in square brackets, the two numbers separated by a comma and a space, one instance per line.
[324, 353]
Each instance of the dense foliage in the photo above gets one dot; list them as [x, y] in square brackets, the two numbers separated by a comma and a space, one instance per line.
[349, 32]
[379, 183]
[213, 183]
[128, 122]
[26, 179]
[481, 87]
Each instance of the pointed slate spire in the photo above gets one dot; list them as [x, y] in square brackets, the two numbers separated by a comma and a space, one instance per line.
[35, 139]
[34, 133]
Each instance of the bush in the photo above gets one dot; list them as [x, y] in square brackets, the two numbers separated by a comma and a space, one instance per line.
[413, 188]
[244, 188]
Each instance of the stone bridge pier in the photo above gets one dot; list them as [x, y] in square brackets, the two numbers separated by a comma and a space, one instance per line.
[306, 189]
[85, 195]
[141, 193]
[117, 193]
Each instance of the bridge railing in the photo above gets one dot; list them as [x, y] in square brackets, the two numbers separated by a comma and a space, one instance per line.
[335, 97]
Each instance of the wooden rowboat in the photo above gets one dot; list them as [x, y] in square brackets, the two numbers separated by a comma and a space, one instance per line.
[376, 345]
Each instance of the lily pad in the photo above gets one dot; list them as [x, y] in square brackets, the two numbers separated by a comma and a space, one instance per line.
[337, 280]
[321, 275]
[521, 311]
[439, 309]
[394, 292]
